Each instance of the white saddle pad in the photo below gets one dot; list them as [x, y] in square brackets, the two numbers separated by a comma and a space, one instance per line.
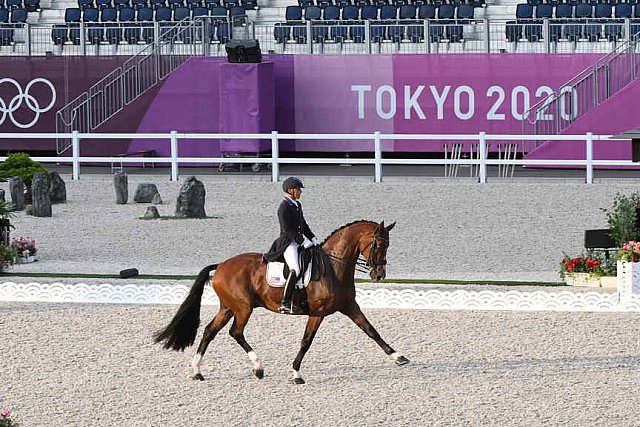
[275, 276]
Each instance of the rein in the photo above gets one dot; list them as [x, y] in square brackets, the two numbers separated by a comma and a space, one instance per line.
[363, 265]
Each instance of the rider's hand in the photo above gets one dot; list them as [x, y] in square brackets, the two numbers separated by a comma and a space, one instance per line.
[307, 243]
[315, 241]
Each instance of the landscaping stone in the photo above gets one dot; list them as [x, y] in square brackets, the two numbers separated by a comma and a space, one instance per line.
[145, 192]
[40, 195]
[191, 199]
[151, 212]
[57, 188]
[121, 184]
[157, 200]
[16, 188]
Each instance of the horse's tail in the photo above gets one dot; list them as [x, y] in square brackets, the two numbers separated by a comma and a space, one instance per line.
[181, 332]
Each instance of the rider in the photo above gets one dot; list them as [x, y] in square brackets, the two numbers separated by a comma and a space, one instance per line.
[294, 232]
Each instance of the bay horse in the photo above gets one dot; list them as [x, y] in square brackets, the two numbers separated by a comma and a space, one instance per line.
[241, 286]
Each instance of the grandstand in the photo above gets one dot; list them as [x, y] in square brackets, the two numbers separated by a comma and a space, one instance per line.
[125, 27]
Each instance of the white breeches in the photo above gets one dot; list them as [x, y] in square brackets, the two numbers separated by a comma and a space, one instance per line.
[291, 257]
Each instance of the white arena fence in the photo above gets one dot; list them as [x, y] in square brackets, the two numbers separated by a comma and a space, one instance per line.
[175, 140]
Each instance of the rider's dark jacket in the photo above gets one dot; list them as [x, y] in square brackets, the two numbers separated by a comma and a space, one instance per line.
[293, 228]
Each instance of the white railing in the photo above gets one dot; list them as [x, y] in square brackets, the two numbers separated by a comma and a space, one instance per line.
[376, 139]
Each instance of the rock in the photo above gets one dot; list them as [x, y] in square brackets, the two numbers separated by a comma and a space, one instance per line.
[40, 195]
[2, 199]
[151, 212]
[57, 188]
[28, 209]
[16, 188]
[145, 192]
[121, 184]
[190, 202]
[157, 200]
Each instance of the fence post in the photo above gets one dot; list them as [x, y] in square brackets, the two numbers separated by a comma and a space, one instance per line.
[75, 152]
[378, 157]
[174, 155]
[275, 156]
[482, 151]
[589, 158]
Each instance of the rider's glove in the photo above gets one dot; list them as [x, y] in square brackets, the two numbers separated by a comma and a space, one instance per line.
[315, 241]
[307, 243]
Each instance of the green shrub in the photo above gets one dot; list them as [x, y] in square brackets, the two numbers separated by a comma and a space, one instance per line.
[20, 164]
[622, 218]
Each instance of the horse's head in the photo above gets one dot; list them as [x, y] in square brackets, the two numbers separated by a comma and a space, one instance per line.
[373, 247]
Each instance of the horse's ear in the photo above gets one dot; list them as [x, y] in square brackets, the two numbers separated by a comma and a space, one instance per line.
[389, 228]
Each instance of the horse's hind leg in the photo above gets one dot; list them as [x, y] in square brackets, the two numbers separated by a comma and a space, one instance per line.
[221, 318]
[237, 332]
[355, 314]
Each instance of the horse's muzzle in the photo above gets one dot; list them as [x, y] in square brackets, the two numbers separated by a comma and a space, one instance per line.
[377, 274]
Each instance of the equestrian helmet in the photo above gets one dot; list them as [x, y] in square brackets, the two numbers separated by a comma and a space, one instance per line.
[291, 182]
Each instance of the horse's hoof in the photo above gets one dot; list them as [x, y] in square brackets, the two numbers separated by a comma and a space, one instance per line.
[198, 377]
[259, 373]
[297, 381]
[401, 360]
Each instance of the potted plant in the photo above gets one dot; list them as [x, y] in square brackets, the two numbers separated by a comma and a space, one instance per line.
[25, 248]
[7, 257]
[623, 219]
[21, 165]
[6, 420]
[581, 270]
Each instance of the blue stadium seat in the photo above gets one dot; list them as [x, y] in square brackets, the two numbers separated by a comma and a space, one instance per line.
[119, 4]
[4, 15]
[210, 4]
[249, 4]
[192, 4]
[14, 4]
[574, 29]
[32, 5]
[137, 4]
[563, 14]
[175, 3]
[144, 17]
[613, 28]
[305, 3]
[6, 32]
[156, 4]
[113, 31]
[101, 4]
[95, 31]
[524, 12]
[127, 19]
[83, 4]
[180, 13]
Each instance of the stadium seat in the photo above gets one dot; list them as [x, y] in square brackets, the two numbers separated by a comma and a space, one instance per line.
[210, 4]
[95, 31]
[192, 4]
[32, 5]
[366, 12]
[388, 17]
[613, 27]
[113, 31]
[4, 16]
[156, 4]
[83, 4]
[119, 4]
[137, 4]
[144, 17]
[524, 13]
[563, 14]
[14, 4]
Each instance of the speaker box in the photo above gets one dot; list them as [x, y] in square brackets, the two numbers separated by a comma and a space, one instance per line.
[243, 51]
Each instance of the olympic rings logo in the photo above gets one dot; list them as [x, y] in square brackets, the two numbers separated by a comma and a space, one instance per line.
[24, 97]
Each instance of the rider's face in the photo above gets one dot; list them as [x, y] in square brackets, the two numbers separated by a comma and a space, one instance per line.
[296, 193]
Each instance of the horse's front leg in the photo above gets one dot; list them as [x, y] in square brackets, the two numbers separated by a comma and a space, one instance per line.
[313, 323]
[355, 314]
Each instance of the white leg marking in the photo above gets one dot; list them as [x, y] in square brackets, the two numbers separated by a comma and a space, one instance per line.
[296, 374]
[257, 365]
[395, 356]
[196, 362]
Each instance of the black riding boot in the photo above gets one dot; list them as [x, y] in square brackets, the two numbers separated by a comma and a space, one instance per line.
[285, 304]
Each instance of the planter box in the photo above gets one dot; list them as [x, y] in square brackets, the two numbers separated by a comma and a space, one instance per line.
[628, 280]
[609, 282]
[26, 259]
[582, 279]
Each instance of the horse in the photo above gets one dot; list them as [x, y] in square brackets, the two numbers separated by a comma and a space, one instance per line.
[241, 287]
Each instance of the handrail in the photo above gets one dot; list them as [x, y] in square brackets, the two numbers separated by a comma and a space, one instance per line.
[376, 150]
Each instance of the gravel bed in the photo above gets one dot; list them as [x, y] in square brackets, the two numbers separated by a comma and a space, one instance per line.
[96, 365]
[506, 230]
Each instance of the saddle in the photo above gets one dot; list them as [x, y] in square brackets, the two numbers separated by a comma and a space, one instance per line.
[311, 268]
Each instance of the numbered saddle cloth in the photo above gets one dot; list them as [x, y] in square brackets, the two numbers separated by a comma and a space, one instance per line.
[276, 275]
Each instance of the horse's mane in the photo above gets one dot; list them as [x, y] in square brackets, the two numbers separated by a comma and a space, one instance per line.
[337, 230]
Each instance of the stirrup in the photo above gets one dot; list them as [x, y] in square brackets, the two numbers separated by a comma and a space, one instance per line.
[284, 309]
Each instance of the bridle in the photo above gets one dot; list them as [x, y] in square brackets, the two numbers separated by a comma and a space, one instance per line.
[364, 265]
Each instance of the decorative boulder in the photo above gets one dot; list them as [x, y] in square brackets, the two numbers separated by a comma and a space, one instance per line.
[151, 212]
[40, 195]
[57, 188]
[157, 200]
[190, 202]
[121, 184]
[28, 209]
[145, 192]
[16, 188]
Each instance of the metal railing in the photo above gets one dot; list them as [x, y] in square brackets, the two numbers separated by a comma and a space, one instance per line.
[584, 92]
[362, 37]
[174, 140]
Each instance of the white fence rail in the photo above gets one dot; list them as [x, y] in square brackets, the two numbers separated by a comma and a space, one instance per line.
[376, 139]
